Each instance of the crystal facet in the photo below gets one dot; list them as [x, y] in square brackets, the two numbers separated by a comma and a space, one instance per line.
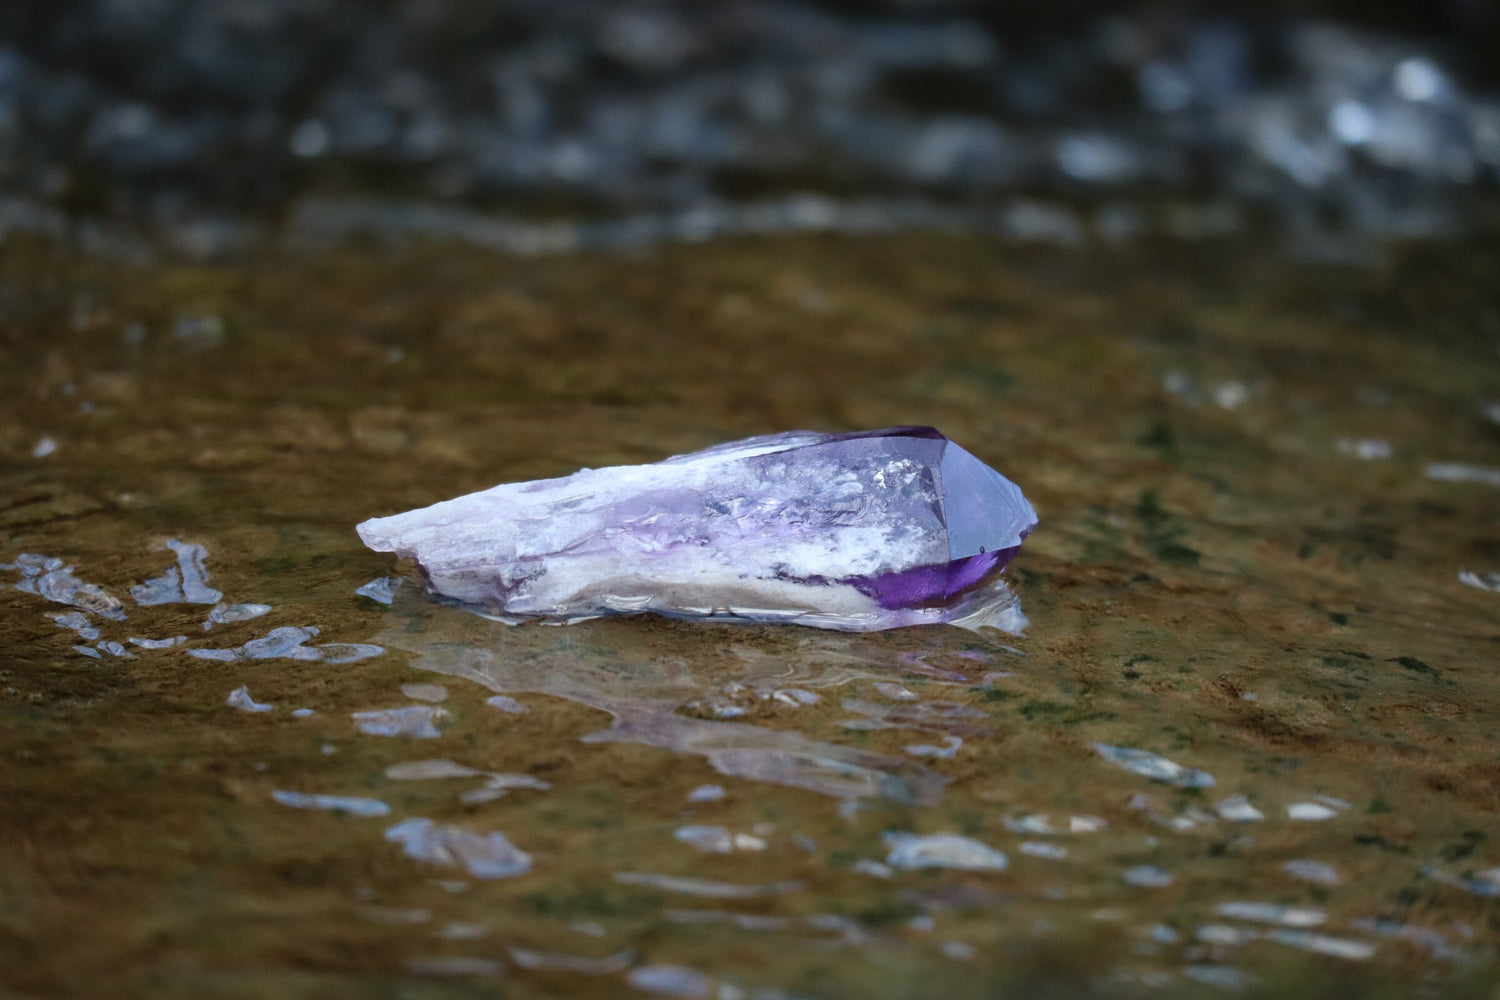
[858, 531]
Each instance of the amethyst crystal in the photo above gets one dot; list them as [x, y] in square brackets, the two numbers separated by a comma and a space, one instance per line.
[856, 531]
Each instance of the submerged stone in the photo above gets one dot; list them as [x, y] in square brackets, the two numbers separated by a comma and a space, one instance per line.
[859, 531]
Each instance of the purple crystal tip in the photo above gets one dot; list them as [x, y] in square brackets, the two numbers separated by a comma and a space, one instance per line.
[856, 531]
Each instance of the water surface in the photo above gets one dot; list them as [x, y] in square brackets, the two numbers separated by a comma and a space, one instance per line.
[1247, 742]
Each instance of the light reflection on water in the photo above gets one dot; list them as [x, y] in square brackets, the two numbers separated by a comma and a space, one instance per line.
[676, 698]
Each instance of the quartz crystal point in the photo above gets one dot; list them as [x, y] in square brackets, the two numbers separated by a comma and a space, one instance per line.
[858, 532]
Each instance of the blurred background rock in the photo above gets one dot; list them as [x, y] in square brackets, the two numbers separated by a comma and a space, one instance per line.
[546, 125]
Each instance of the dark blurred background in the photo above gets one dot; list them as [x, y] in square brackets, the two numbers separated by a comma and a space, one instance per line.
[236, 116]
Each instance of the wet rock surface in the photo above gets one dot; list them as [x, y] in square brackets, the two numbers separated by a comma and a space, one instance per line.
[1221, 592]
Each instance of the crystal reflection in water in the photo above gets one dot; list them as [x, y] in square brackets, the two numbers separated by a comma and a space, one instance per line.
[667, 701]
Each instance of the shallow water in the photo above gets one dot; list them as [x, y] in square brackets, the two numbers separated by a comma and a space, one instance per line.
[1248, 740]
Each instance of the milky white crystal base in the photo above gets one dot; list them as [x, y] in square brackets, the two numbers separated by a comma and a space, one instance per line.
[798, 527]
